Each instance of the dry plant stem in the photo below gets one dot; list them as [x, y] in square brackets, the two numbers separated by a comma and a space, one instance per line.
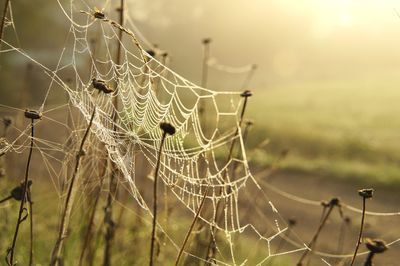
[226, 177]
[315, 237]
[108, 211]
[69, 199]
[360, 234]
[21, 206]
[3, 20]
[30, 227]
[191, 226]
[153, 232]
[88, 233]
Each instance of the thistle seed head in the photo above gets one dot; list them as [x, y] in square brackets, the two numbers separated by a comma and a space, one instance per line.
[366, 193]
[32, 114]
[167, 128]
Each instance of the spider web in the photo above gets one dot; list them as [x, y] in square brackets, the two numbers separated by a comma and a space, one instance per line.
[206, 156]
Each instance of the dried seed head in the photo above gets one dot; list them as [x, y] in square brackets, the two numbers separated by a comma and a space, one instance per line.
[292, 222]
[99, 14]
[366, 193]
[31, 114]
[167, 128]
[334, 202]
[249, 122]
[151, 53]
[101, 85]
[7, 121]
[17, 193]
[82, 153]
[376, 245]
[206, 40]
[246, 93]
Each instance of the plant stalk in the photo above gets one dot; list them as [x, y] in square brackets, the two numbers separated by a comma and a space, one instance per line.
[10, 261]
[62, 233]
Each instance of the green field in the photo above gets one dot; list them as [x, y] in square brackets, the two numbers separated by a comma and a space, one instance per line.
[340, 129]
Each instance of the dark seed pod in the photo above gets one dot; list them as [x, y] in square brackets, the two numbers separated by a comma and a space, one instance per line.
[99, 15]
[249, 122]
[7, 121]
[101, 85]
[334, 202]
[376, 245]
[347, 219]
[206, 40]
[167, 128]
[292, 222]
[18, 192]
[151, 53]
[366, 193]
[164, 54]
[34, 115]
[246, 93]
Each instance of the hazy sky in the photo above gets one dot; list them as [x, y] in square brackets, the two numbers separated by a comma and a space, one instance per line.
[290, 40]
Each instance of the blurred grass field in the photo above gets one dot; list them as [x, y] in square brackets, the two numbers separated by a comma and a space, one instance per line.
[338, 129]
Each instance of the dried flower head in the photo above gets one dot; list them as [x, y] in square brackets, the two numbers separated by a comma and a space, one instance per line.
[335, 202]
[246, 93]
[206, 40]
[376, 245]
[292, 222]
[167, 128]
[366, 193]
[7, 121]
[151, 53]
[101, 85]
[17, 193]
[99, 14]
[249, 122]
[32, 114]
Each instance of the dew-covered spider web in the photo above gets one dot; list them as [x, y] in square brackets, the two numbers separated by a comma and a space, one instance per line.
[206, 157]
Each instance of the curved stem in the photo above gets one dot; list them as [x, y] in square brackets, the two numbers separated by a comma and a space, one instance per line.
[153, 232]
[360, 234]
[21, 206]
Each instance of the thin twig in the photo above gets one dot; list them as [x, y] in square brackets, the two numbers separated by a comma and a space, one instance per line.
[334, 202]
[192, 226]
[364, 193]
[62, 233]
[108, 210]
[11, 250]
